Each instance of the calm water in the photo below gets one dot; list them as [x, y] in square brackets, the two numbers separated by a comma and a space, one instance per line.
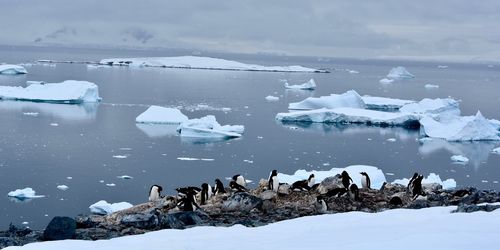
[74, 145]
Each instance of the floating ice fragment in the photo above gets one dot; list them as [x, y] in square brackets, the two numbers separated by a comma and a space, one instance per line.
[125, 177]
[272, 98]
[310, 85]
[120, 156]
[23, 194]
[9, 69]
[431, 86]
[62, 187]
[399, 73]
[459, 159]
[386, 81]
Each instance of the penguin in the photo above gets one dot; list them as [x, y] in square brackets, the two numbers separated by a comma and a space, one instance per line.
[219, 187]
[240, 180]
[461, 193]
[155, 192]
[183, 191]
[409, 187]
[320, 205]
[336, 192]
[417, 187]
[273, 182]
[354, 191]
[396, 201]
[188, 203]
[237, 187]
[365, 180]
[304, 184]
[383, 187]
[206, 193]
[346, 179]
[311, 180]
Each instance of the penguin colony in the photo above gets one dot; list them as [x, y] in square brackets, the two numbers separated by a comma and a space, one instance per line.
[189, 196]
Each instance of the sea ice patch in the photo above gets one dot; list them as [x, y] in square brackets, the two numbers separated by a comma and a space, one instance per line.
[23, 194]
[309, 85]
[272, 98]
[349, 99]
[62, 187]
[460, 159]
[10, 69]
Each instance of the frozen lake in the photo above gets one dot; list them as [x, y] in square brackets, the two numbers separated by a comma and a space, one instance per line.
[87, 146]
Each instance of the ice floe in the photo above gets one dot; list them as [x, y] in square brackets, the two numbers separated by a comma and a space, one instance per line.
[196, 62]
[23, 194]
[386, 81]
[377, 177]
[399, 73]
[431, 86]
[125, 177]
[161, 115]
[350, 115]
[69, 92]
[459, 159]
[272, 98]
[384, 103]
[436, 107]
[309, 85]
[9, 69]
[102, 207]
[208, 127]
[430, 179]
[496, 151]
[460, 128]
[349, 99]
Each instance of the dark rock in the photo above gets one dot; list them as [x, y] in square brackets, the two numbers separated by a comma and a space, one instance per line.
[330, 183]
[464, 208]
[143, 221]
[181, 220]
[89, 221]
[60, 228]
[241, 202]
[95, 234]
[418, 204]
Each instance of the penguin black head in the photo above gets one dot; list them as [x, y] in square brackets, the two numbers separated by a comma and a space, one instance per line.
[415, 175]
[274, 172]
[364, 173]
[217, 182]
[319, 198]
[235, 177]
[310, 177]
[204, 187]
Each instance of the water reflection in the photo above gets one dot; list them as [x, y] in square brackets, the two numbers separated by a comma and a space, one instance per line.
[12, 80]
[477, 152]
[298, 93]
[158, 130]
[72, 112]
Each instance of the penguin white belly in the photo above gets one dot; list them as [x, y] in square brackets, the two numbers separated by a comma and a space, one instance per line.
[154, 194]
[276, 184]
[311, 182]
[209, 191]
[241, 181]
[364, 182]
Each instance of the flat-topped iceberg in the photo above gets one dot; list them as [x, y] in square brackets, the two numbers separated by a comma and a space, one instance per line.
[208, 127]
[377, 177]
[9, 69]
[460, 128]
[399, 73]
[102, 207]
[431, 179]
[196, 62]
[161, 115]
[309, 85]
[349, 99]
[70, 91]
[439, 107]
[384, 103]
[351, 115]
[23, 194]
[154, 130]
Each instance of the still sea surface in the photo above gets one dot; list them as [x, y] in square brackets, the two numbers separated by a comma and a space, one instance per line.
[87, 147]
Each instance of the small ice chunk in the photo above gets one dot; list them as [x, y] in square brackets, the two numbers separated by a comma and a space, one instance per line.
[272, 98]
[161, 115]
[125, 177]
[496, 151]
[386, 81]
[62, 187]
[30, 113]
[208, 127]
[120, 156]
[54, 124]
[431, 86]
[399, 73]
[391, 139]
[187, 159]
[459, 159]
[23, 194]
[110, 184]
[10, 69]
[102, 207]
[310, 85]
[442, 66]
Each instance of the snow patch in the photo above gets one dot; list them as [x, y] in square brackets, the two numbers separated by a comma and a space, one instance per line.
[102, 207]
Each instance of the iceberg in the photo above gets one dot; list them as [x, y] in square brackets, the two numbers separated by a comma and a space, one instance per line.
[398, 73]
[158, 130]
[102, 207]
[161, 115]
[196, 62]
[432, 178]
[272, 98]
[384, 103]
[310, 85]
[9, 69]
[348, 99]
[386, 81]
[23, 194]
[495, 151]
[351, 115]
[69, 92]
[459, 159]
[208, 127]
[436, 107]
[460, 128]
[377, 177]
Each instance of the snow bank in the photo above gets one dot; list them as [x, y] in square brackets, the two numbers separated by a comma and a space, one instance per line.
[70, 91]
[104, 208]
[348, 99]
[460, 128]
[399, 73]
[161, 115]
[377, 177]
[384, 103]
[208, 127]
[437, 107]
[433, 228]
[350, 115]
[22, 194]
[432, 178]
[9, 69]
[310, 85]
[196, 62]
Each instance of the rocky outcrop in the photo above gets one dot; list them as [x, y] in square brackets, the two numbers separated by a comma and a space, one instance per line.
[60, 228]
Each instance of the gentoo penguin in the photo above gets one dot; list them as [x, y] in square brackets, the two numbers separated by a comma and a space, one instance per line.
[346, 179]
[188, 202]
[365, 180]
[304, 184]
[237, 187]
[273, 182]
[320, 205]
[206, 193]
[311, 180]
[219, 187]
[354, 191]
[409, 188]
[383, 187]
[240, 180]
[183, 191]
[417, 186]
[155, 192]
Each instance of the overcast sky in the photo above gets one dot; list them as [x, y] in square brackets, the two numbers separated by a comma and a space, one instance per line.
[363, 29]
